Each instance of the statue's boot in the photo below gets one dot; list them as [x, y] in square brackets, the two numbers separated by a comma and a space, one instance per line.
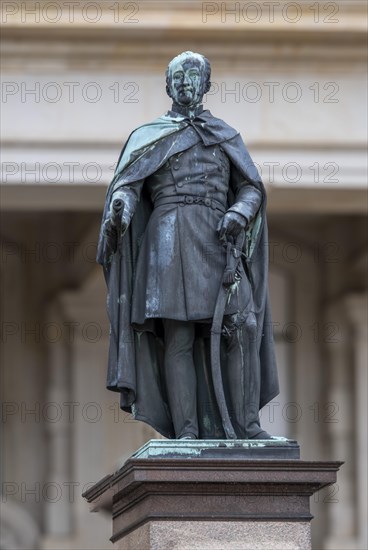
[242, 376]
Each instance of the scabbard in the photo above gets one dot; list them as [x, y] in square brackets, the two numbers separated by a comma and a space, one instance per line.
[216, 362]
[216, 331]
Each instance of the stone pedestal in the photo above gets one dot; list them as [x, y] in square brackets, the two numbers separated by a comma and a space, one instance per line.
[212, 494]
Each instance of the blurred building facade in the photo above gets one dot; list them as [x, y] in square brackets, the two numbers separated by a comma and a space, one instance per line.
[77, 78]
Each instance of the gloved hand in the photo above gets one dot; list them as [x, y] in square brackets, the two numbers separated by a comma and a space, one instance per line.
[115, 224]
[231, 225]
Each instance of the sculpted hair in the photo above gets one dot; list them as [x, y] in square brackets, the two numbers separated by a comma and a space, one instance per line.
[199, 57]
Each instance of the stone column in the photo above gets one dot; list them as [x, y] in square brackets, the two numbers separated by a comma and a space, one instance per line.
[57, 425]
[338, 421]
[348, 433]
[357, 307]
[216, 495]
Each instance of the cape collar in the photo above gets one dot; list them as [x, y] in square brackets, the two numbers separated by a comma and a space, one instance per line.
[173, 130]
[183, 111]
[211, 130]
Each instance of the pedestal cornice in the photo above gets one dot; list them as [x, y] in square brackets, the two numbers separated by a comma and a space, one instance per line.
[217, 490]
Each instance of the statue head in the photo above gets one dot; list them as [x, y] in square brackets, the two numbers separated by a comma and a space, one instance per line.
[188, 78]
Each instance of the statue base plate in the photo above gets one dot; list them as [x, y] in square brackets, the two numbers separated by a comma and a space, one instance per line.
[265, 449]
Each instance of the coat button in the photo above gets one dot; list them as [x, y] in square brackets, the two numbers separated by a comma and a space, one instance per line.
[180, 184]
[176, 167]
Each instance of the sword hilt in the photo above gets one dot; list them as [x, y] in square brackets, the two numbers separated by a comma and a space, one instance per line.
[233, 255]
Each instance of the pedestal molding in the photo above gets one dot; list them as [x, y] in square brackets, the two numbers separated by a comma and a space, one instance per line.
[149, 491]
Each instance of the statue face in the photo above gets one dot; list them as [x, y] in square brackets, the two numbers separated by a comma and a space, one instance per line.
[187, 81]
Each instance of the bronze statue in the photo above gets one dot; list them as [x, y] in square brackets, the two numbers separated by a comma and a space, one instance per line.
[183, 244]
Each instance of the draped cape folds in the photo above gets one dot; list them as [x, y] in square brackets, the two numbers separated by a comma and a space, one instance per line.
[135, 356]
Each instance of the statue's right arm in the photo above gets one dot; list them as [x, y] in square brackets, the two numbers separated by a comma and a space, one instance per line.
[123, 204]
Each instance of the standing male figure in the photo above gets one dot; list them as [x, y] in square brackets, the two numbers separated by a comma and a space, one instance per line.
[184, 195]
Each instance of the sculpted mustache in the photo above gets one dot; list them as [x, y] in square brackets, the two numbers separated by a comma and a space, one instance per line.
[185, 89]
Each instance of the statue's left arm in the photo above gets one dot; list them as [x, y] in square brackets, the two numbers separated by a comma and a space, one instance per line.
[248, 198]
[246, 205]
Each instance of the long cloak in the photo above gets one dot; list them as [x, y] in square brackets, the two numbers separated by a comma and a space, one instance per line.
[135, 357]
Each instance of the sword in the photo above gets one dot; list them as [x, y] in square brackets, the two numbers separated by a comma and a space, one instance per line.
[233, 257]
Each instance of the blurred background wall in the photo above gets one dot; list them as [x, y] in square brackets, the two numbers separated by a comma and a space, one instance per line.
[77, 78]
